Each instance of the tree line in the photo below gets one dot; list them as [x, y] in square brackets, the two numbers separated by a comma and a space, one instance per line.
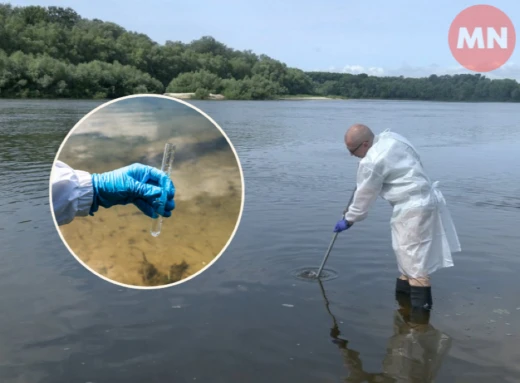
[52, 52]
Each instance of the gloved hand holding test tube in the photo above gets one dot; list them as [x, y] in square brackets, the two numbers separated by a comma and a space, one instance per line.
[167, 164]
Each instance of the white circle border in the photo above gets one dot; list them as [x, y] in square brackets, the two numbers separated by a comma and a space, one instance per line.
[242, 202]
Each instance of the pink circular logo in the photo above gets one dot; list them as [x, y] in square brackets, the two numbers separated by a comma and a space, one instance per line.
[482, 38]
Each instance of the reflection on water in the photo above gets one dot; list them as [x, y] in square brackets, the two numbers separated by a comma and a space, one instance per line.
[414, 353]
[246, 319]
[117, 242]
[146, 117]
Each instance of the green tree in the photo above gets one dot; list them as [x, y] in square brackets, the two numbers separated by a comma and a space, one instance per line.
[54, 52]
[191, 81]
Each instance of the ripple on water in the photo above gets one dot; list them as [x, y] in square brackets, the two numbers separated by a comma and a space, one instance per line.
[309, 274]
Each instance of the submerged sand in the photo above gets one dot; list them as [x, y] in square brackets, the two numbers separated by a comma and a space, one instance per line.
[117, 243]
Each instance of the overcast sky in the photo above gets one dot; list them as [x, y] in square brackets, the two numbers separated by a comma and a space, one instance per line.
[379, 37]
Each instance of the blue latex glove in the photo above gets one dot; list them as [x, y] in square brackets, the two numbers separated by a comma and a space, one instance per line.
[148, 188]
[341, 225]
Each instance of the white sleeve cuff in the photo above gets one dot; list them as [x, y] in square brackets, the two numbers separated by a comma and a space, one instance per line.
[72, 192]
[85, 193]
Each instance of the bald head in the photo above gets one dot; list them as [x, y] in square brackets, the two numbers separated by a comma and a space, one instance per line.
[359, 139]
[358, 133]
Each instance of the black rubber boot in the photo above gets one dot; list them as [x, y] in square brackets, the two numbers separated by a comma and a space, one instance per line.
[421, 297]
[402, 294]
[403, 300]
[402, 287]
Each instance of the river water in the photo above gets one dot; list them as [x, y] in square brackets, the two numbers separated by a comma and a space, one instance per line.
[247, 319]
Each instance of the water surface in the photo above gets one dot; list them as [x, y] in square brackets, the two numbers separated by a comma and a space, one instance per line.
[247, 319]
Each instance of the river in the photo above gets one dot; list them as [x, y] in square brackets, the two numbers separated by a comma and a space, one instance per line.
[247, 318]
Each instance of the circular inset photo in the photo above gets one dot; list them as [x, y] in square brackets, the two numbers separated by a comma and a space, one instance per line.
[146, 191]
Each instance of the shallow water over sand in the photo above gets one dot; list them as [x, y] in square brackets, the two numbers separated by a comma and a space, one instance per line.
[117, 242]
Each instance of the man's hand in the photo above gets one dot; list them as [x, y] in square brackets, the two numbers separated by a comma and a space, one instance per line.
[148, 188]
[342, 225]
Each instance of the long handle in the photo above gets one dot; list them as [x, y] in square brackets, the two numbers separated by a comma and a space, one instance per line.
[333, 240]
[327, 254]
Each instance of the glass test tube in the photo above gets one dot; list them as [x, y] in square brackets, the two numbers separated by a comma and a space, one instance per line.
[167, 164]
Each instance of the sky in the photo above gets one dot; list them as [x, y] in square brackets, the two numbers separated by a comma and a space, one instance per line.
[408, 38]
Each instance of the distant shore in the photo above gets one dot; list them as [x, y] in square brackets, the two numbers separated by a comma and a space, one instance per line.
[308, 97]
[211, 96]
[188, 96]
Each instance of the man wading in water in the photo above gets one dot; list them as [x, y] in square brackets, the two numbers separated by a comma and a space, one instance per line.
[423, 233]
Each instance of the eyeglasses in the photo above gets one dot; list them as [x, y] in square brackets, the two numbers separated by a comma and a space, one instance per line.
[355, 150]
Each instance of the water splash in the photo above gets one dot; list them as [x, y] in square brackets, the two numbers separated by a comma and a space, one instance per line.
[311, 273]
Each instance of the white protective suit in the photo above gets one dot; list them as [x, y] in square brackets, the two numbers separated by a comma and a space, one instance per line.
[423, 233]
[72, 193]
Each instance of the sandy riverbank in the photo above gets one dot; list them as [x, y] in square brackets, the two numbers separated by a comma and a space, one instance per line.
[305, 98]
[188, 96]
